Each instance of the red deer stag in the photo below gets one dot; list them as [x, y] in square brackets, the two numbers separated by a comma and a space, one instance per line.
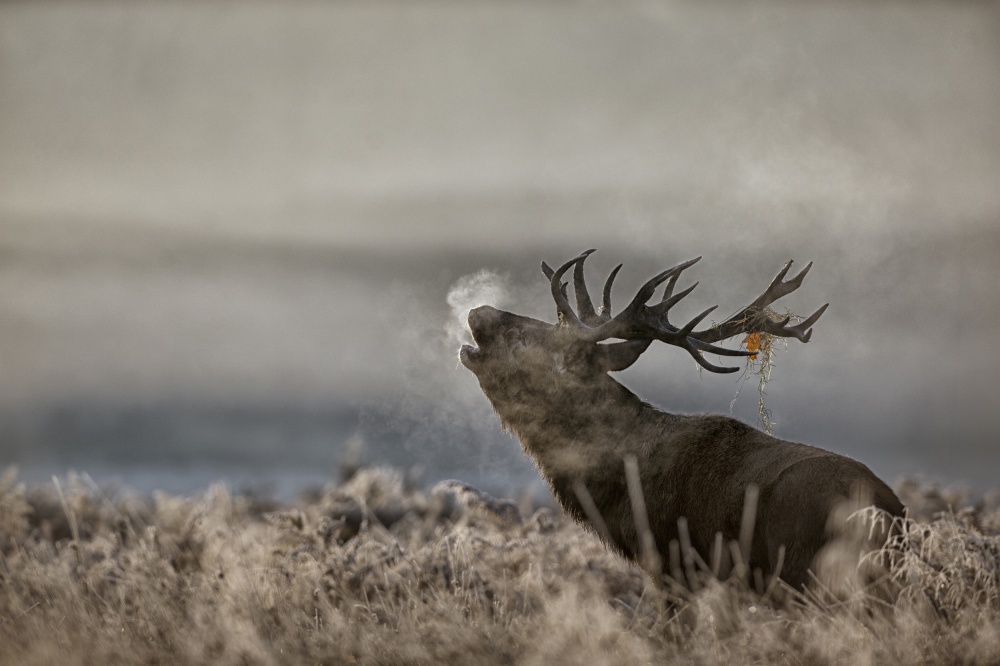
[549, 384]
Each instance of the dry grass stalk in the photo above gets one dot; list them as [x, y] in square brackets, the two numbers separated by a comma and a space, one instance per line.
[373, 572]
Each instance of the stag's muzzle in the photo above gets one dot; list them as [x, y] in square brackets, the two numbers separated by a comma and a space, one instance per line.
[481, 320]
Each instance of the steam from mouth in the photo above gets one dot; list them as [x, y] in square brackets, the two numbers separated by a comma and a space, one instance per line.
[484, 287]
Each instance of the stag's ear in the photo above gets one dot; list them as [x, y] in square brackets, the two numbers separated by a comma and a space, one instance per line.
[620, 355]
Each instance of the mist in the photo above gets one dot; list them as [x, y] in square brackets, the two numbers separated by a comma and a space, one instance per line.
[235, 237]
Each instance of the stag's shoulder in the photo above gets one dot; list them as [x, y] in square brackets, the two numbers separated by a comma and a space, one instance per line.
[716, 427]
[714, 438]
[697, 441]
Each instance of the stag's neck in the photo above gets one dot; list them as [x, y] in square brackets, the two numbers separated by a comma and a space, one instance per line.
[579, 438]
[578, 432]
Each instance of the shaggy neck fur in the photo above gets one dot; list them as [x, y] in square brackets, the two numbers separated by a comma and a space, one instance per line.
[579, 433]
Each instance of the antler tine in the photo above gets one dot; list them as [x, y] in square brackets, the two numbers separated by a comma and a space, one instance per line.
[547, 270]
[562, 302]
[686, 331]
[777, 288]
[667, 303]
[605, 311]
[673, 279]
[721, 351]
[801, 331]
[669, 289]
[705, 363]
[646, 291]
[584, 306]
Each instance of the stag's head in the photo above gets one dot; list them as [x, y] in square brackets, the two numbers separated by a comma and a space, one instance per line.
[517, 355]
[510, 349]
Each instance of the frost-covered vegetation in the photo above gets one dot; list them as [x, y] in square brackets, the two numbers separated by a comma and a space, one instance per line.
[372, 571]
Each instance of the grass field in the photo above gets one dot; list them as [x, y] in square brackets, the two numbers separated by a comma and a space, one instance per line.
[372, 571]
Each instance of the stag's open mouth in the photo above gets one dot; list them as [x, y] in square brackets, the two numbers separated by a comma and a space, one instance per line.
[468, 354]
[477, 325]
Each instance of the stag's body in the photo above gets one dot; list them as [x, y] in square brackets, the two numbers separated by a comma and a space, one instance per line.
[550, 387]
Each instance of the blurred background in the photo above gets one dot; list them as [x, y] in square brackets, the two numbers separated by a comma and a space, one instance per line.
[237, 239]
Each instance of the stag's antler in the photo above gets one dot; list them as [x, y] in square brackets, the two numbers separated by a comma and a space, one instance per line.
[639, 321]
[752, 318]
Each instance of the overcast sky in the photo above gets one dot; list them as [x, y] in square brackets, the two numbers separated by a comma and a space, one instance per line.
[265, 206]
